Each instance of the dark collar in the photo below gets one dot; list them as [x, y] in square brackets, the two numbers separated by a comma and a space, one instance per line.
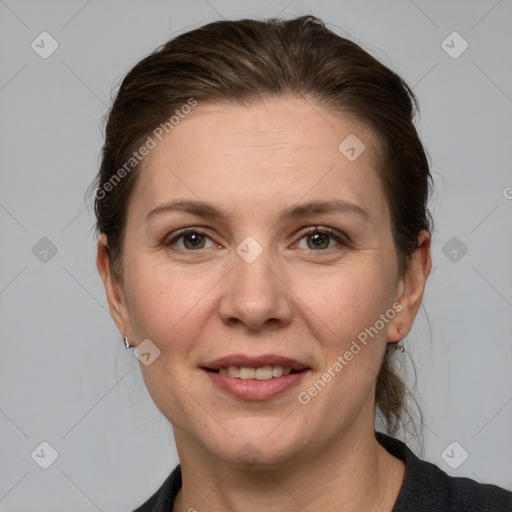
[425, 488]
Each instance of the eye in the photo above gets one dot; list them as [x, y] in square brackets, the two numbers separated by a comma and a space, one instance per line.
[321, 239]
[192, 240]
[317, 239]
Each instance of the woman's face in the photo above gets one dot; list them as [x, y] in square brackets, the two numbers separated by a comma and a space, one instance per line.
[252, 285]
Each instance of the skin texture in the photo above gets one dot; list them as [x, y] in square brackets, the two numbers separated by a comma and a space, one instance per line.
[294, 300]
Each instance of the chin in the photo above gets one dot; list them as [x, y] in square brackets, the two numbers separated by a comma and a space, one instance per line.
[263, 443]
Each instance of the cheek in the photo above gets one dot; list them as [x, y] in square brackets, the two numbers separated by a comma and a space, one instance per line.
[162, 302]
[350, 297]
[169, 308]
[352, 351]
[353, 310]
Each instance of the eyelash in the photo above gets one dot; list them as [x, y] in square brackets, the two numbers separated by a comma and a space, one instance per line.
[338, 237]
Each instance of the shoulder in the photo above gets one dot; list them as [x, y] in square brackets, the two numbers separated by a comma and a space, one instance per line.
[426, 487]
[163, 499]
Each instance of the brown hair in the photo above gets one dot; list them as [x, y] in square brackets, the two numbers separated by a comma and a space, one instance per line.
[249, 60]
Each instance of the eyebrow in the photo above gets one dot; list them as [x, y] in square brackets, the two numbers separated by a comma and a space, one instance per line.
[214, 212]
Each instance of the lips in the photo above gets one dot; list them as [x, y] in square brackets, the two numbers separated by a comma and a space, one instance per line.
[248, 378]
[242, 360]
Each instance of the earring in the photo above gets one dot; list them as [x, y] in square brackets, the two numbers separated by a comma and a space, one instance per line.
[400, 345]
[126, 342]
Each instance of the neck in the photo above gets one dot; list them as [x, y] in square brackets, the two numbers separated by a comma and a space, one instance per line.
[356, 473]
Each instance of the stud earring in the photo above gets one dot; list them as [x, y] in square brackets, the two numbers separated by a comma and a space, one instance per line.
[126, 342]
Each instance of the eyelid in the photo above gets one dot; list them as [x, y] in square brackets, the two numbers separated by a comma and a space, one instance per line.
[176, 235]
[340, 237]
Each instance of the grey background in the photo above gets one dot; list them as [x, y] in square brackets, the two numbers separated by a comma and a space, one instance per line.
[65, 377]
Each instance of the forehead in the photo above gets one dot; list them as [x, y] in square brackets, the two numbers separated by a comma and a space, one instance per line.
[265, 155]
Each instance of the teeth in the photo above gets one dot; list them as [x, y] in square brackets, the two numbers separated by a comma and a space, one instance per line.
[234, 371]
[277, 371]
[247, 373]
[262, 373]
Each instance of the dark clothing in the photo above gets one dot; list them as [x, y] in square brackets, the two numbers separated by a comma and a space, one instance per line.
[425, 488]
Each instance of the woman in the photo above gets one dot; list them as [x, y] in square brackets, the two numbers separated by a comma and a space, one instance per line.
[264, 242]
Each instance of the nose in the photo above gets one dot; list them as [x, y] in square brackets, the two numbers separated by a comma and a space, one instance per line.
[256, 295]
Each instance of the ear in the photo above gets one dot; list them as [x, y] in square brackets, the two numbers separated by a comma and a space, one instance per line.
[411, 288]
[113, 289]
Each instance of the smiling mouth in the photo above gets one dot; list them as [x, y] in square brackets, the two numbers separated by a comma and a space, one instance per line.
[266, 372]
[261, 377]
